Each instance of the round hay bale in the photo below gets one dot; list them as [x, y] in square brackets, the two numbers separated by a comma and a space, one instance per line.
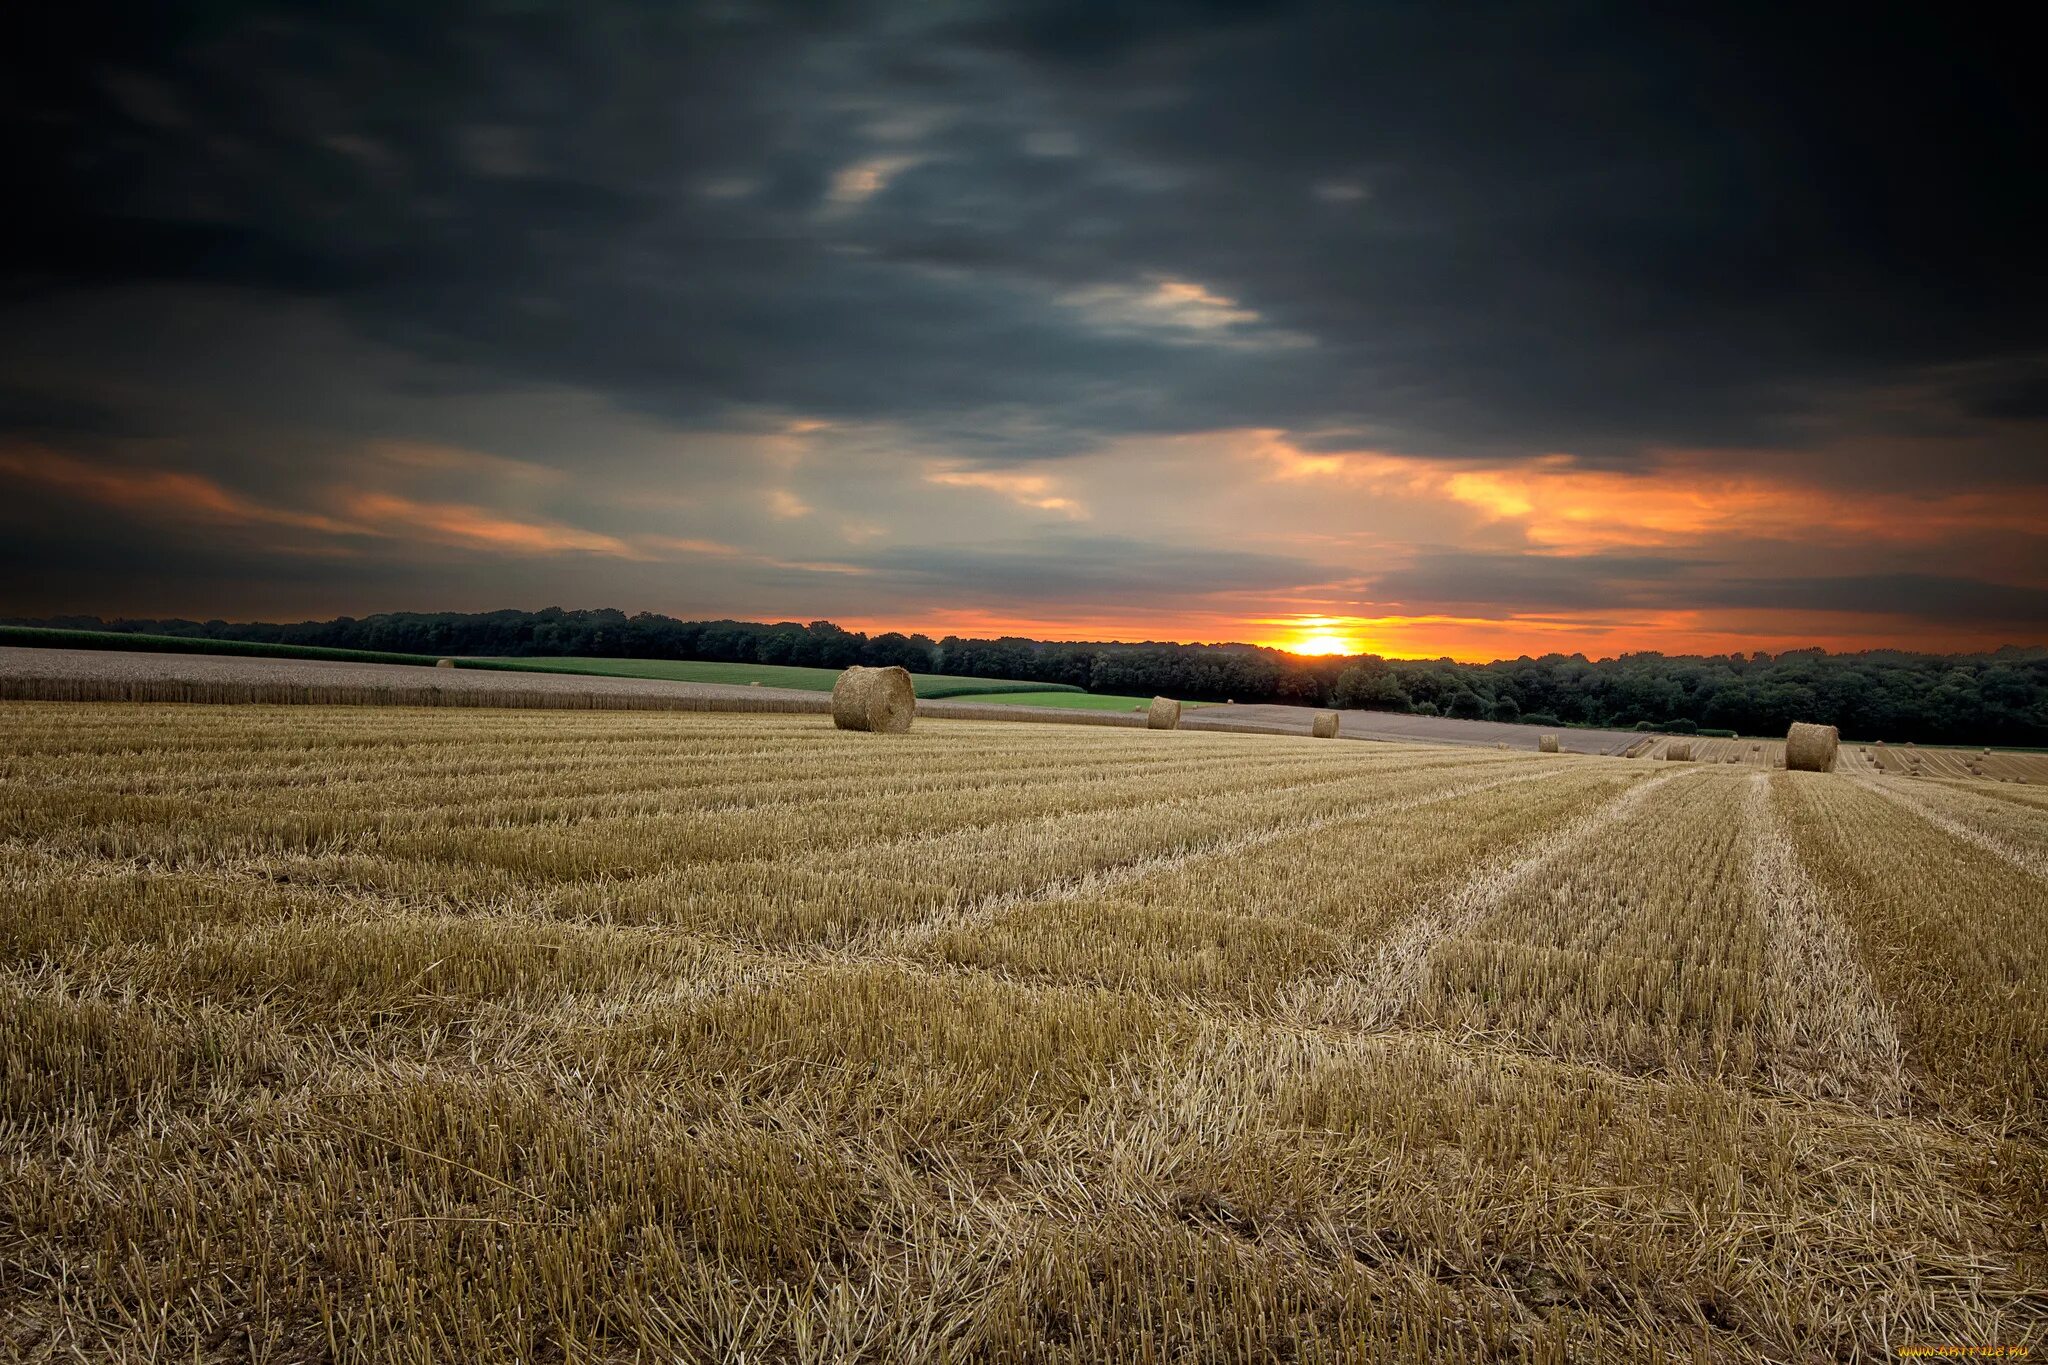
[1163, 714]
[1139, 707]
[755, 682]
[444, 663]
[1502, 745]
[1546, 744]
[1324, 725]
[1680, 751]
[1811, 748]
[878, 700]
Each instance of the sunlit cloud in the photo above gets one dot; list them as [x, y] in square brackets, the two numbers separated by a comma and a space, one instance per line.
[856, 184]
[823, 566]
[1679, 499]
[431, 458]
[1176, 310]
[462, 524]
[683, 545]
[1026, 490]
[164, 494]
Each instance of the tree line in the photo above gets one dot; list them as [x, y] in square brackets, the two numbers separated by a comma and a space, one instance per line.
[1993, 698]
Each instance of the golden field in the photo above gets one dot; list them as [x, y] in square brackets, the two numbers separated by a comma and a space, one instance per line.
[446, 1035]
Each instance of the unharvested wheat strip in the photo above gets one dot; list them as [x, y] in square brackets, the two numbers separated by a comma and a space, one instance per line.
[1831, 1034]
[1923, 803]
[1100, 881]
[1375, 996]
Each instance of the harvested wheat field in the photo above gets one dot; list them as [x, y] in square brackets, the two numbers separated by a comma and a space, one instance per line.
[437, 1034]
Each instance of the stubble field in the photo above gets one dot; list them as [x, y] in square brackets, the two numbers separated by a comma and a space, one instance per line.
[409, 1035]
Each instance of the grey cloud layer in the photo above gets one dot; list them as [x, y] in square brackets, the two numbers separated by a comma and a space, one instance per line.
[1528, 228]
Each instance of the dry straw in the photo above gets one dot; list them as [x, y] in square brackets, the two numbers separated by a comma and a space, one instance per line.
[1164, 715]
[1325, 726]
[1811, 748]
[879, 700]
[1679, 752]
[1546, 744]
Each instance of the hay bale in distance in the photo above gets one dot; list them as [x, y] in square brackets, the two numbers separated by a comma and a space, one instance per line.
[1811, 748]
[444, 663]
[1163, 714]
[1546, 744]
[878, 700]
[1679, 752]
[1324, 725]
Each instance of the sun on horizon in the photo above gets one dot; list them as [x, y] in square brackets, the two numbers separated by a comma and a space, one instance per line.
[1323, 642]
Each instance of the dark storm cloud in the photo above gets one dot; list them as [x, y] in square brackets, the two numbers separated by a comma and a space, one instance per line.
[56, 561]
[30, 412]
[1460, 230]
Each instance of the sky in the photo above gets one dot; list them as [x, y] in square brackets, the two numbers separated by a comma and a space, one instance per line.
[1469, 330]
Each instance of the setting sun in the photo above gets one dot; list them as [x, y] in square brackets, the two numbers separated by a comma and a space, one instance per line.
[1323, 642]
